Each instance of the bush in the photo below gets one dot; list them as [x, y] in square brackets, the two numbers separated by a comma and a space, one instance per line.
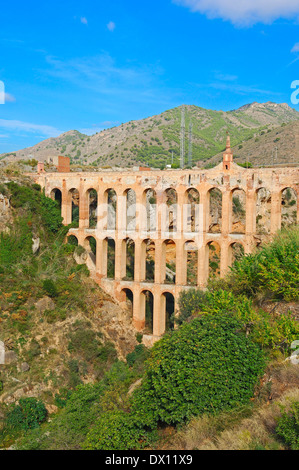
[115, 430]
[208, 365]
[138, 355]
[266, 329]
[288, 427]
[50, 288]
[273, 271]
[29, 414]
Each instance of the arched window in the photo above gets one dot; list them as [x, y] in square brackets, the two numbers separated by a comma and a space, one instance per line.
[238, 222]
[289, 206]
[215, 210]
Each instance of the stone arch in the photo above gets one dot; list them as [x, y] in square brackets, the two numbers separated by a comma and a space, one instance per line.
[263, 211]
[150, 202]
[168, 262]
[238, 211]
[147, 310]
[90, 244]
[168, 307]
[191, 262]
[128, 299]
[56, 195]
[215, 210]
[130, 210]
[72, 240]
[128, 246]
[73, 207]
[109, 258]
[110, 200]
[192, 200]
[213, 254]
[235, 252]
[92, 201]
[289, 207]
[170, 199]
[148, 251]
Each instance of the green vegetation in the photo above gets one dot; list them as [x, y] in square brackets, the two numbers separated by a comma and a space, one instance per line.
[207, 365]
[28, 414]
[288, 427]
[208, 373]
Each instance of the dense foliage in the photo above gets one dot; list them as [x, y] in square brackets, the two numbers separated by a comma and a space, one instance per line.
[267, 329]
[288, 427]
[28, 414]
[272, 271]
[207, 365]
[116, 430]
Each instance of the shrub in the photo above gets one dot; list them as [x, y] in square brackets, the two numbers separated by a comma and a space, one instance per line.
[208, 365]
[29, 414]
[115, 430]
[50, 288]
[138, 355]
[288, 427]
[274, 270]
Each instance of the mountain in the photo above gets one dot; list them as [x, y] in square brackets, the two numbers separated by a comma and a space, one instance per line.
[279, 146]
[153, 140]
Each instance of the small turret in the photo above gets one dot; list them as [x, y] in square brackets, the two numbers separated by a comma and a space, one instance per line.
[228, 155]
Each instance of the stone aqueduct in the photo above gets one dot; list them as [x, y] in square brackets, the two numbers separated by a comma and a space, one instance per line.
[227, 177]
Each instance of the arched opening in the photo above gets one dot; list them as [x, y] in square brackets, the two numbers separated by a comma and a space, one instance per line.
[72, 240]
[128, 294]
[109, 258]
[74, 200]
[92, 207]
[148, 255]
[130, 258]
[213, 259]
[192, 200]
[191, 257]
[289, 206]
[130, 210]
[111, 204]
[56, 195]
[151, 210]
[263, 211]
[238, 222]
[236, 252]
[169, 261]
[171, 210]
[168, 306]
[90, 245]
[215, 210]
[147, 309]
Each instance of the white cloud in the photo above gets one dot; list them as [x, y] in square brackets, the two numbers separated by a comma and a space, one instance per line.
[14, 125]
[111, 26]
[84, 20]
[244, 12]
[295, 47]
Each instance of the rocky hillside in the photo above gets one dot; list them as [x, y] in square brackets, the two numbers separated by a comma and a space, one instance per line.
[278, 146]
[59, 328]
[153, 141]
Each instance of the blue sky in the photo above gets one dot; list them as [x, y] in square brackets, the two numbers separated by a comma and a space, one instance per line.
[95, 64]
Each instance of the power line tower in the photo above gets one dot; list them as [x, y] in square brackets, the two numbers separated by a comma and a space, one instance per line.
[182, 159]
[190, 145]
